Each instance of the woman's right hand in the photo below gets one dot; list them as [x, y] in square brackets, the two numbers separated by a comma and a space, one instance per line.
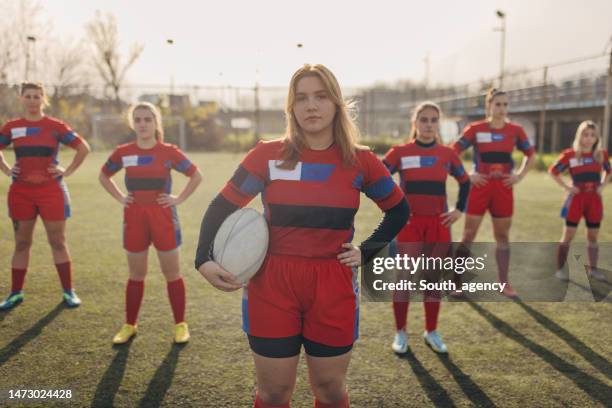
[126, 200]
[15, 170]
[219, 277]
[478, 180]
[572, 189]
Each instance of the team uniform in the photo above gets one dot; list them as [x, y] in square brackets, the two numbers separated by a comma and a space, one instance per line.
[145, 222]
[303, 294]
[586, 173]
[492, 157]
[36, 191]
[147, 174]
[423, 169]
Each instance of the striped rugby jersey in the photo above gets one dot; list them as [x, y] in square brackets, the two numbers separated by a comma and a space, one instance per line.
[147, 171]
[493, 147]
[310, 209]
[36, 145]
[585, 171]
[423, 170]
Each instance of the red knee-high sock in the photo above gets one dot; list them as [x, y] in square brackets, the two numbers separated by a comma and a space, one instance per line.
[133, 298]
[64, 271]
[17, 279]
[593, 250]
[260, 404]
[400, 311]
[432, 309]
[502, 256]
[176, 293]
[343, 403]
[562, 254]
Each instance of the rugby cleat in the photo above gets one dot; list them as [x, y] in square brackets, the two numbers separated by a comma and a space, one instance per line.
[12, 300]
[125, 334]
[71, 299]
[181, 333]
[433, 340]
[509, 292]
[400, 343]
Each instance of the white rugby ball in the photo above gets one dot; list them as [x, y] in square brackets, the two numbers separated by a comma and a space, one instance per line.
[241, 243]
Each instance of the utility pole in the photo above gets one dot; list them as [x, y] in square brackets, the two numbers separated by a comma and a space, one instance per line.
[502, 16]
[542, 129]
[607, 101]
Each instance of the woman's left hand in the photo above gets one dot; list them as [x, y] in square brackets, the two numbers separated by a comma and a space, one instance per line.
[511, 179]
[168, 200]
[449, 218]
[57, 171]
[351, 257]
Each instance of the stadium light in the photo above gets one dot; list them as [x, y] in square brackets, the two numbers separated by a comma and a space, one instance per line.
[502, 16]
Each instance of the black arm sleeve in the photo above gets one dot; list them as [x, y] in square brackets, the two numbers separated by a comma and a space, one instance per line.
[394, 220]
[464, 190]
[218, 210]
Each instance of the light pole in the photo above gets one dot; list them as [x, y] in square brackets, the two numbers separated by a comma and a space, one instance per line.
[31, 40]
[170, 42]
[502, 16]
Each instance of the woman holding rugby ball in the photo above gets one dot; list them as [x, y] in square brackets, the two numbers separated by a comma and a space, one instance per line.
[306, 291]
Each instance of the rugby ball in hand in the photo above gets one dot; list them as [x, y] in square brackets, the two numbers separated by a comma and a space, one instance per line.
[241, 244]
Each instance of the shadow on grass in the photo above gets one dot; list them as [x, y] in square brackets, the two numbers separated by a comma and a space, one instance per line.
[162, 379]
[436, 393]
[111, 380]
[471, 390]
[595, 388]
[24, 338]
[596, 360]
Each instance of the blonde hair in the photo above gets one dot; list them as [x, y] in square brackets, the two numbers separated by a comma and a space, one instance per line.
[492, 93]
[159, 129]
[596, 149]
[345, 132]
[37, 86]
[415, 116]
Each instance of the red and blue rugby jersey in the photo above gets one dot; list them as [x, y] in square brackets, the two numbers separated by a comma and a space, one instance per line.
[493, 147]
[36, 145]
[423, 170]
[147, 171]
[585, 171]
[310, 209]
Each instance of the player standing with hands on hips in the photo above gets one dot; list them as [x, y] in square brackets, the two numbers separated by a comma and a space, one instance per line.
[306, 292]
[38, 188]
[493, 140]
[150, 213]
[589, 167]
[423, 164]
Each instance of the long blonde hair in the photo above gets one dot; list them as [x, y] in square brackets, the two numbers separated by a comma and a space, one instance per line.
[597, 149]
[159, 129]
[345, 132]
[415, 116]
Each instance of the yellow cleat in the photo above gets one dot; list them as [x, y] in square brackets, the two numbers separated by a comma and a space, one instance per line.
[125, 334]
[181, 333]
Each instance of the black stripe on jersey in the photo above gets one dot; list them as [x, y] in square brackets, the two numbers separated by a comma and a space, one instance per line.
[425, 187]
[302, 216]
[33, 151]
[239, 176]
[135, 184]
[587, 177]
[495, 157]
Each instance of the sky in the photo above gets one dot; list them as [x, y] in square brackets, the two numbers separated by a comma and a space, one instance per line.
[364, 42]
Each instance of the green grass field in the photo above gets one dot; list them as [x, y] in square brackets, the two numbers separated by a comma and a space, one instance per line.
[501, 354]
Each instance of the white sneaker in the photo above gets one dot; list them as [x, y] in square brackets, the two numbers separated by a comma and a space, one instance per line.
[433, 340]
[562, 274]
[400, 343]
[596, 274]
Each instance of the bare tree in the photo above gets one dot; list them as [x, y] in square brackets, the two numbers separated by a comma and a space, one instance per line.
[104, 36]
